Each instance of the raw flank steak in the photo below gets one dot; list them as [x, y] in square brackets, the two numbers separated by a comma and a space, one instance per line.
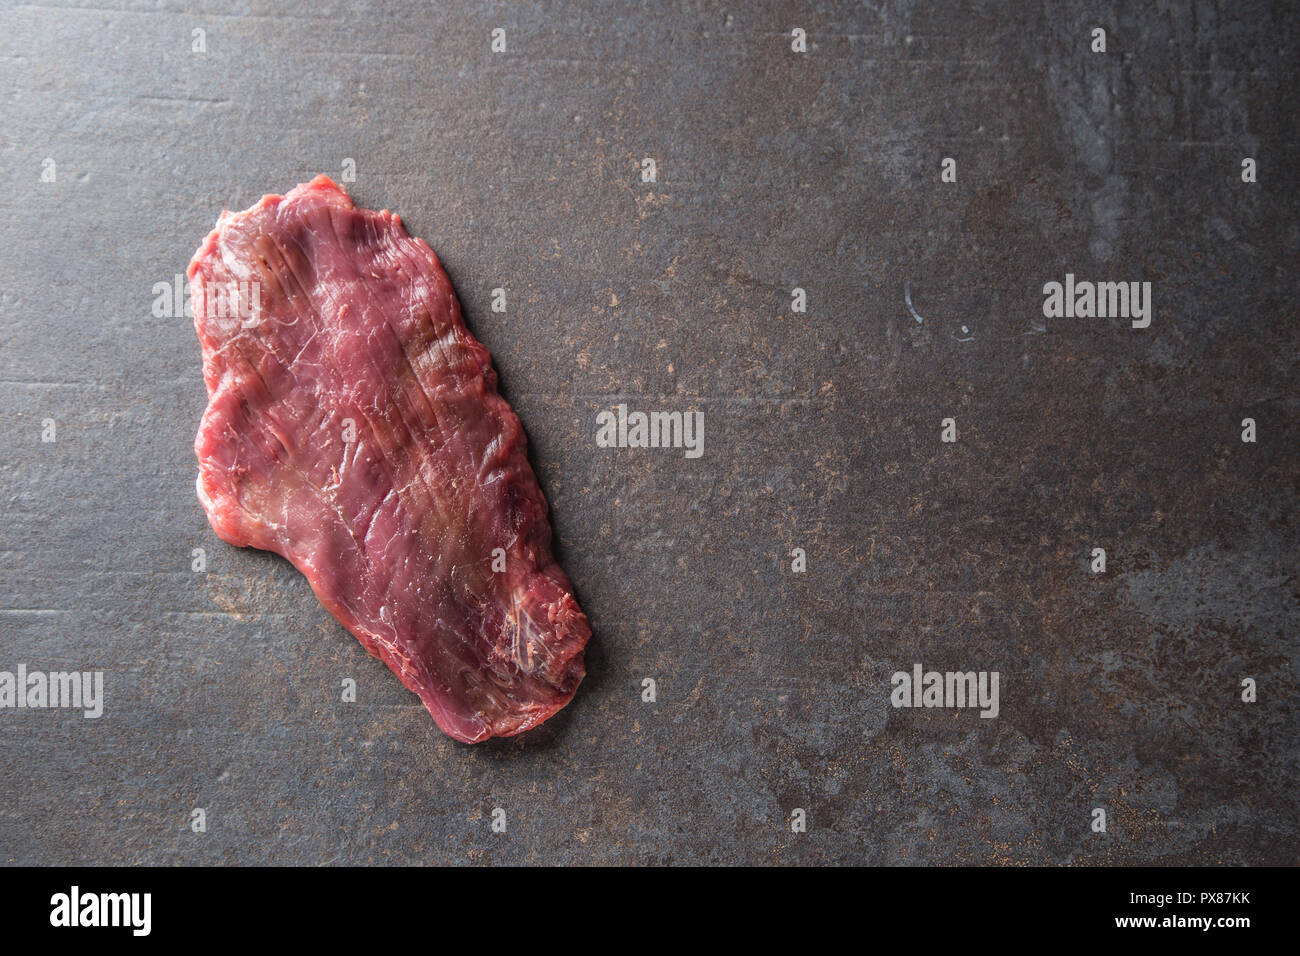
[354, 427]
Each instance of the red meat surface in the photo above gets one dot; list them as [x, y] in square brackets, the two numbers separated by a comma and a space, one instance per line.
[354, 427]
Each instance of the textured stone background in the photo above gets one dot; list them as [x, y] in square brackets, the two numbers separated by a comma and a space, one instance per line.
[822, 431]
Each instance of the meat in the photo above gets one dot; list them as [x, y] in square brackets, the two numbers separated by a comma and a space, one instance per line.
[354, 427]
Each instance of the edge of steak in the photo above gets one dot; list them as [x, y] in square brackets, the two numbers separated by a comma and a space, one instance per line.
[354, 427]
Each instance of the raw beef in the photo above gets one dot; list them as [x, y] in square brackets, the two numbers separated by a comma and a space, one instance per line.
[354, 426]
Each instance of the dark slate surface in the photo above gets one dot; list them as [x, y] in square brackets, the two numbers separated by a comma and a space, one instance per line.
[776, 170]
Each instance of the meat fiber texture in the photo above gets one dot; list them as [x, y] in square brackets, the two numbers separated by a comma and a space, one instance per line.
[354, 427]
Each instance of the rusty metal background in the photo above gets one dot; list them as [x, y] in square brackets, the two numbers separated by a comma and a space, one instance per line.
[776, 170]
